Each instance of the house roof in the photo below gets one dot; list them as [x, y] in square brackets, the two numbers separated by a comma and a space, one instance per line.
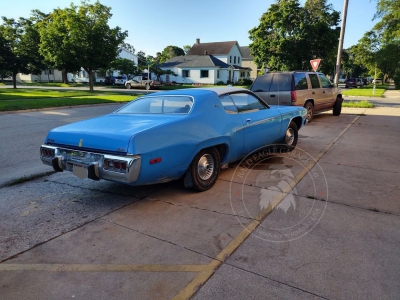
[216, 48]
[246, 53]
[194, 61]
[197, 61]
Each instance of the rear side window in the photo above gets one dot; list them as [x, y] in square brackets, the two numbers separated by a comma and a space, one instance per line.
[227, 104]
[281, 82]
[262, 83]
[247, 102]
[314, 81]
[300, 81]
[158, 105]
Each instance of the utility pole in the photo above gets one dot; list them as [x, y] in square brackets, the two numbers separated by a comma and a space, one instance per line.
[341, 38]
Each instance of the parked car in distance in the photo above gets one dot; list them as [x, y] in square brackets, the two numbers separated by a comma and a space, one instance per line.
[351, 82]
[138, 82]
[109, 80]
[188, 133]
[360, 82]
[120, 80]
[299, 88]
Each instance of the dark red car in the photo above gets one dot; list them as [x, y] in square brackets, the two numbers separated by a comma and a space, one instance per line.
[351, 82]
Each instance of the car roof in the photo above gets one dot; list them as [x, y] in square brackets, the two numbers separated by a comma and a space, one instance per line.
[198, 91]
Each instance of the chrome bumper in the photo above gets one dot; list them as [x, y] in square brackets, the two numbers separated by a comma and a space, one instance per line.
[92, 165]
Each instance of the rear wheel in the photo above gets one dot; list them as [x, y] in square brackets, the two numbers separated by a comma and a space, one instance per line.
[310, 110]
[337, 107]
[205, 169]
[128, 86]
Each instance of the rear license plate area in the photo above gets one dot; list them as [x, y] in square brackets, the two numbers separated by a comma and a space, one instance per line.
[80, 171]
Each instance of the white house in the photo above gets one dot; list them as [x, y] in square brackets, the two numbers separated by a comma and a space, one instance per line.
[207, 63]
[54, 75]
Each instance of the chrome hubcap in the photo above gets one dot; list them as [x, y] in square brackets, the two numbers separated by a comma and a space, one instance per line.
[205, 167]
[289, 136]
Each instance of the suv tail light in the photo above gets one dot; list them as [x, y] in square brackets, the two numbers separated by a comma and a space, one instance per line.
[293, 96]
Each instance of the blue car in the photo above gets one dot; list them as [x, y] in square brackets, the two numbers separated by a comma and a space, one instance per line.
[188, 133]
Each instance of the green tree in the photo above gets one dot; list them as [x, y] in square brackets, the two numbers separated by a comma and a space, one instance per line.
[186, 48]
[289, 35]
[170, 52]
[124, 66]
[19, 50]
[389, 25]
[77, 37]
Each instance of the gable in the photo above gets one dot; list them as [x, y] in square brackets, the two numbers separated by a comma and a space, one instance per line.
[217, 48]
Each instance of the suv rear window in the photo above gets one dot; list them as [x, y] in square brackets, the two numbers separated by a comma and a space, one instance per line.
[262, 83]
[281, 82]
[314, 81]
[300, 81]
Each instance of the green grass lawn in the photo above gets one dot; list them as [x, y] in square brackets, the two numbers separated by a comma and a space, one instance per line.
[22, 99]
[366, 91]
[359, 104]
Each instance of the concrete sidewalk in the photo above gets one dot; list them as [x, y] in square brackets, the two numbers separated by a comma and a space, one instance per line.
[353, 252]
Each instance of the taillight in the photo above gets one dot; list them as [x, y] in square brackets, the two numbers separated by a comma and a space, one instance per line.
[45, 152]
[293, 96]
[114, 165]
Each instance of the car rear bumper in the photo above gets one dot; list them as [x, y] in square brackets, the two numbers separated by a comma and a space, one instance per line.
[92, 165]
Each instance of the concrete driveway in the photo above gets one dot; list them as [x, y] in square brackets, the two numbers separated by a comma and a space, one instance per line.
[320, 222]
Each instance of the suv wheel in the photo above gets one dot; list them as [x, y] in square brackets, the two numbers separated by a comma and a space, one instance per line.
[310, 110]
[337, 107]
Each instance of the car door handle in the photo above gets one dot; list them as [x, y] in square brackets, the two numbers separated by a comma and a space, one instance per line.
[248, 120]
[313, 93]
[273, 95]
[324, 92]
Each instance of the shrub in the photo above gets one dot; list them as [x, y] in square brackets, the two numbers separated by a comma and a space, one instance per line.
[243, 81]
[220, 83]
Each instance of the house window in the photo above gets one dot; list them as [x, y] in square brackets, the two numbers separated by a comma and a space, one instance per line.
[234, 59]
[185, 73]
[49, 72]
[238, 60]
[248, 74]
[230, 59]
[203, 73]
[45, 72]
[242, 74]
[217, 73]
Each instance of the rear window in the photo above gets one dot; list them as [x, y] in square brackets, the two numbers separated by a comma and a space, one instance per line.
[159, 105]
[314, 81]
[281, 82]
[300, 81]
[262, 83]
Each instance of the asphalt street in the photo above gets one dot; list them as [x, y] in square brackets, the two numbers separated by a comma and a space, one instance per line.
[320, 223]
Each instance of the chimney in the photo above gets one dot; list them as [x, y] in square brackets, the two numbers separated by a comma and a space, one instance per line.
[206, 52]
[197, 41]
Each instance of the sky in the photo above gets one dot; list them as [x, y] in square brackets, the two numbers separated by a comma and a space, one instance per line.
[156, 24]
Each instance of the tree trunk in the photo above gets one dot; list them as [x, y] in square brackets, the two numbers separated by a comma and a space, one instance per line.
[90, 79]
[14, 77]
[65, 76]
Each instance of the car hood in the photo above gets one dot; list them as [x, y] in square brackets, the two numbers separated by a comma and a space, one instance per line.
[110, 133]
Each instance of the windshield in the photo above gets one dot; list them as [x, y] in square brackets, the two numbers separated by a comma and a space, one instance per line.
[159, 105]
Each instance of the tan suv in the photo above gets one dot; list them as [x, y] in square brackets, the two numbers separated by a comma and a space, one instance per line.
[308, 89]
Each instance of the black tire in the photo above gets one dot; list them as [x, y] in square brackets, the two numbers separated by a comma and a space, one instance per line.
[147, 86]
[128, 86]
[205, 169]
[289, 141]
[337, 107]
[310, 110]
